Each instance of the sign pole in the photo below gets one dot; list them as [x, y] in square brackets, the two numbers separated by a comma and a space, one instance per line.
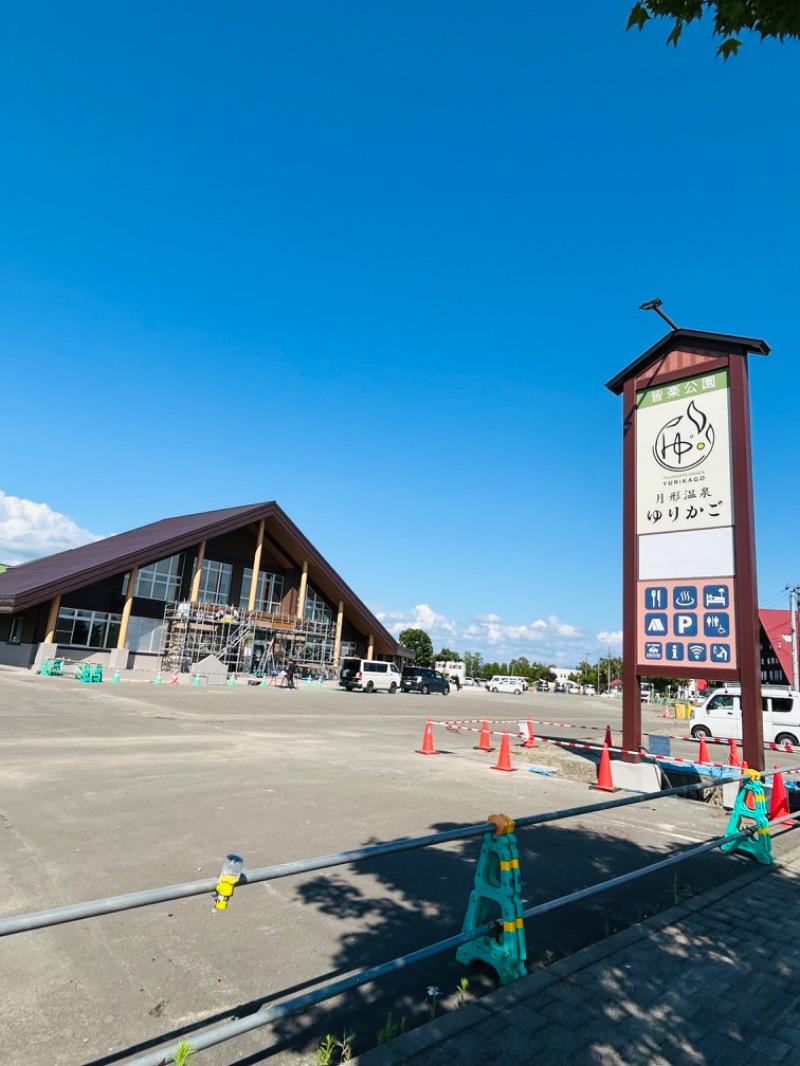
[631, 692]
[747, 624]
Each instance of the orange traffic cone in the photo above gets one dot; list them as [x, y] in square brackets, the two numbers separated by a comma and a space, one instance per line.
[733, 758]
[427, 741]
[608, 739]
[780, 801]
[605, 782]
[504, 758]
[667, 712]
[703, 756]
[749, 802]
[530, 742]
[484, 741]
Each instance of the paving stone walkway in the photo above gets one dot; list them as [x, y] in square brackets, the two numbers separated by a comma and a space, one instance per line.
[713, 981]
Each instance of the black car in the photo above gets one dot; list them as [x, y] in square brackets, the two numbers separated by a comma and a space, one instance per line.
[424, 679]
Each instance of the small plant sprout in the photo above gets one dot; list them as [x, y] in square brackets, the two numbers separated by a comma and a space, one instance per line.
[461, 991]
[390, 1029]
[433, 995]
[183, 1052]
[549, 955]
[346, 1045]
[324, 1053]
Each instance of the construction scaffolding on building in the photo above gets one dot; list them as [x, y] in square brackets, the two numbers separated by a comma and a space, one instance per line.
[247, 642]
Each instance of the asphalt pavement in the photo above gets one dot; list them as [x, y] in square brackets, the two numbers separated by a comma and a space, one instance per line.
[110, 789]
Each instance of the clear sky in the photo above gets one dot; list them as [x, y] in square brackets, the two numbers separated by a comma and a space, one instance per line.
[376, 262]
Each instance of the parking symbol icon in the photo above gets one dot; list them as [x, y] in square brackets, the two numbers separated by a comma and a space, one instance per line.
[684, 625]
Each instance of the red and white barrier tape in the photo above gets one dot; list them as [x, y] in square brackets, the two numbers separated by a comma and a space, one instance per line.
[536, 721]
[599, 747]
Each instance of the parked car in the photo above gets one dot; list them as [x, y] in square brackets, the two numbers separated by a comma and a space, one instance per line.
[424, 679]
[469, 682]
[560, 686]
[506, 684]
[521, 681]
[369, 675]
[589, 690]
[720, 714]
[542, 686]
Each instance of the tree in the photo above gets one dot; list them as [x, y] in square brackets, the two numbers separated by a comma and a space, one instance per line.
[447, 655]
[768, 18]
[420, 643]
[472, 663]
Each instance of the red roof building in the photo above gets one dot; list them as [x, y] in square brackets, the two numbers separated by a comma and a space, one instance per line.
[776, 647]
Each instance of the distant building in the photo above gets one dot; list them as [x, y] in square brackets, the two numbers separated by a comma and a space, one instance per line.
[776, 647]
[563, 675]
[452, 669]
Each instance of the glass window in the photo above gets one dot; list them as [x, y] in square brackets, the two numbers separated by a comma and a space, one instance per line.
[316, 609]
[782, 706]
[159, 581]
[87, 629]
[215, 582]
[144, 634]
[721, 703]
[269, 593]
[15, 632]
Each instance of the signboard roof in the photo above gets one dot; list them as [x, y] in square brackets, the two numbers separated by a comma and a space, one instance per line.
[691, 338]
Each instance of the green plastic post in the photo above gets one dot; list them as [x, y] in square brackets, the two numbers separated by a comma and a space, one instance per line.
[760, 845]
[497, 889]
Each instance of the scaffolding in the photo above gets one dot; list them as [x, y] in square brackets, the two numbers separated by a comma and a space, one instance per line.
[247, 642]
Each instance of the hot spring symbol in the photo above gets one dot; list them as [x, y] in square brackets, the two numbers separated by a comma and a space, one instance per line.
[685, 441]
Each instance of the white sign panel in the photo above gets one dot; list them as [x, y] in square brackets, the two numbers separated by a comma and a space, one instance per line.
[683, 456]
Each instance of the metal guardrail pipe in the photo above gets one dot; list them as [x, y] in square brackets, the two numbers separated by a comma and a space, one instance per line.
[261, 1018]
[112, 904]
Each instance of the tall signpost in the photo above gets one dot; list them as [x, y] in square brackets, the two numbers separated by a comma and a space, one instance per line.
[690, 606]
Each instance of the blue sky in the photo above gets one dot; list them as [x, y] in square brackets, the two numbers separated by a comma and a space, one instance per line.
[376, 262]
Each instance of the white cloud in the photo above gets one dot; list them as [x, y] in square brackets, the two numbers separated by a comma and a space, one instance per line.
[547, 640]
[29, 530]
[421, 617]
[612, 639]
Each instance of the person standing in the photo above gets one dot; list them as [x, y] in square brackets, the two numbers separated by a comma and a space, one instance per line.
[290, 672]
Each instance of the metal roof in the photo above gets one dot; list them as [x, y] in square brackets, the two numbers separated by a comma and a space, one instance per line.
[40, 580]
[687, 338]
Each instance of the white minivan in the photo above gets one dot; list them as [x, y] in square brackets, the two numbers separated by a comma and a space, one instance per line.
[369, 675]
[720, 714]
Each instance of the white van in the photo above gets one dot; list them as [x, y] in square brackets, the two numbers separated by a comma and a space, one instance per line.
[370, 675]
[521, 681]
[720, 714]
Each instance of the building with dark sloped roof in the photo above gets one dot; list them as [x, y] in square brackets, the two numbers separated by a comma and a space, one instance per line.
[242, 585]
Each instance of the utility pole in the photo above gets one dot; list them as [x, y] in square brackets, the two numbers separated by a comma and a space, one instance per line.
[794, 595]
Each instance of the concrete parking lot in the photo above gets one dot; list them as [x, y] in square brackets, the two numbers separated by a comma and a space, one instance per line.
[109, 789]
